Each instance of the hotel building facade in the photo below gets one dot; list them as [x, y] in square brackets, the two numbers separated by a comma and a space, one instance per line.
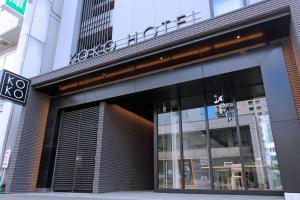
[187, 96]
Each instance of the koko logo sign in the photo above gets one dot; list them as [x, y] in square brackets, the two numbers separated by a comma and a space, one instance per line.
[14, 87]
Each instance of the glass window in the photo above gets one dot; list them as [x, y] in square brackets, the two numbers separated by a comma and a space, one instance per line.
[7, 22]
[259, 114]
[223, 6]
[226, 137]
[261, 165]
[225, 151]
[2, 62]
[168, 146]
[1, 105]
[195, 148]
[253, 1]
[10, 61]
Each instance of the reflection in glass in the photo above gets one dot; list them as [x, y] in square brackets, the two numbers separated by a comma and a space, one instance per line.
[253, 1]
[168, 146]
[261, 165]
[195, 150]
[227, 156]
[224, 6]
[227, 167]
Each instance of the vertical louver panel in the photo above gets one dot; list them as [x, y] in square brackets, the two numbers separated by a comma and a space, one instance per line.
[66, 151]
[95, 25]
[86, 150]
[76, 149]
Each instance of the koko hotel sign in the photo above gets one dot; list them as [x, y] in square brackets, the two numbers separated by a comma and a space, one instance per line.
[14, 87]
[149, 33]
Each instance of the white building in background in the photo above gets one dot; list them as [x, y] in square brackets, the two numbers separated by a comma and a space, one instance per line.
[10, 28]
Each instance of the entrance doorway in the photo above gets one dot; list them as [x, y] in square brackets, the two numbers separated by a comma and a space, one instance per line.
[207, 135]
[76, 150]
[104, 147]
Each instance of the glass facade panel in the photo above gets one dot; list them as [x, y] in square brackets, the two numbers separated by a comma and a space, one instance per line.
[195, 147]
[168, 146]
[261, 165]
[225, 151]
[224, 138]
[223, 6]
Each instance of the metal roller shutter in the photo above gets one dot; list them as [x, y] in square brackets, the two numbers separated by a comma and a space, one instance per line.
[76, 149]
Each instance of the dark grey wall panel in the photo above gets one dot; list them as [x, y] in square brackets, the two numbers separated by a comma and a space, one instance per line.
[277, 87]
[109, 91]
[24, 165]
[226, 64]
[71, 100]
[188, 73]
[286, 137]
[236, 62]
[126, 160]
[283, 116]
[121, 88]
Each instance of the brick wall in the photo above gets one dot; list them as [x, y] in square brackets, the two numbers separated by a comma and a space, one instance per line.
[295, 29]
[126, 151]
[293, 72]
[24, 165]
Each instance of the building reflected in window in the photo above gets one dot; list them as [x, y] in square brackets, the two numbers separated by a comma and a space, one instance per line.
[195, 145]
[261, 165]
[168, 145]
[221, 137]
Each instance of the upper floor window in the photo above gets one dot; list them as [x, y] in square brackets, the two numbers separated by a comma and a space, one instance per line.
[253, 1]
[223, 6]
[1, 105]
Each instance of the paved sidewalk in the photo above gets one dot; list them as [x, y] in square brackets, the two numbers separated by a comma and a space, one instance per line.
[147, 195]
